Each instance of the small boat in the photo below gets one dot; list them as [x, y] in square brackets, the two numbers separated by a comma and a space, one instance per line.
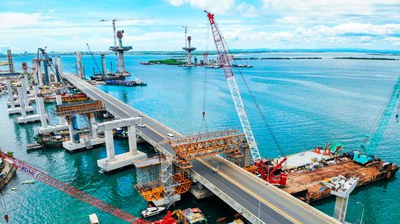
[14, 188]
[152, 211]
[28, 182]
[93, 219]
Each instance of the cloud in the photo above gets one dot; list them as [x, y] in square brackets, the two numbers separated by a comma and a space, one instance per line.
[218, 7]
[338, 11]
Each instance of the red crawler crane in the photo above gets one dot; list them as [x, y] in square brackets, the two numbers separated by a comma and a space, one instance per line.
[47, 179]
[262, 168]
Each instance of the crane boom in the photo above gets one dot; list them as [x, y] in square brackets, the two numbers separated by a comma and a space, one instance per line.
[95, 62]
[372, 142]
[230, 78]
[47, 179]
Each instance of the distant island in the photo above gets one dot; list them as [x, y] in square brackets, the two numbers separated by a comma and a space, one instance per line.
[363, 58]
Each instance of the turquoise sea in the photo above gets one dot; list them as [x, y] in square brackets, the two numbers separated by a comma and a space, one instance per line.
[306, 102]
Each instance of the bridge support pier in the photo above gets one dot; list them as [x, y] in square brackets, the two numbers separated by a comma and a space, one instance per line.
[24, 119]
[81, 143]
[342, 189]
[113, 162]
[199, 191]
[12, 103]
[62, 125]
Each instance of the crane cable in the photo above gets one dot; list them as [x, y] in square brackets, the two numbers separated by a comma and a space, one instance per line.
[203, 120]
[257, 106]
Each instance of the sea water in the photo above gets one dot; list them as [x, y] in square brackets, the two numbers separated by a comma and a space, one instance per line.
[305, 102]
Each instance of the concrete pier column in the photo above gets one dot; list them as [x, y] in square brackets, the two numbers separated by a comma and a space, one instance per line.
[36, 94]
[132, 139]
[21, 101]
[70, 129]
[10, 94]
[103, 64]
[93, 128]
[56, 69]
[108, 135]
[34, 73]
[121, 62]
[79, 66]
[41, 111]
[59, 64]
[46, 72]
[24, 92]
[39, 74]
[62, 120]
[48, 64]
[25, 80]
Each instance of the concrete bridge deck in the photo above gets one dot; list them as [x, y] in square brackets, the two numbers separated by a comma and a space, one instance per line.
[258, 201]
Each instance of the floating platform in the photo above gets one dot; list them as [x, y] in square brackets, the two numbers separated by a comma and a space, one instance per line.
[125, 83]
[121, 160]
[83, 144]
[310, 182]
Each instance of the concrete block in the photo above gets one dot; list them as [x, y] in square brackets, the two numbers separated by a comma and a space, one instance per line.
[121, 160]
[17, 110]
[27, 119]
[52, 128]
[84, 144]
[164, 201]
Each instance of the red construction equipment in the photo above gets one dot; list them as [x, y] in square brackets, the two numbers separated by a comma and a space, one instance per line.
[259, 165]
[274, 175]
[47, 179]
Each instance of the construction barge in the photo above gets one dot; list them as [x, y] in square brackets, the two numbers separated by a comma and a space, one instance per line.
[310, 175]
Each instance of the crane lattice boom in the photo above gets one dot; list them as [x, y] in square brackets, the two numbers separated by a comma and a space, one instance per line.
[383, 120]
[237, 99]
[47, 179]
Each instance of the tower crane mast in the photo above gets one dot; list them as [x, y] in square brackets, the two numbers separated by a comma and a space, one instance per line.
[230, 78]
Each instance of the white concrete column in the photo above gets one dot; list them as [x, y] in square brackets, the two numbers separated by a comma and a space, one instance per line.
[109, 138]
[34, 73]
[39, 74]
[62, 120]
[21, 101]
[24, 94]
[36, 94]
[132, 139]
[59, 64]
[93, 129]
[71, 131]
[10, 94]
[41, 111]
[49, 71]
[340, 208]
[54, 61]
[25, 80]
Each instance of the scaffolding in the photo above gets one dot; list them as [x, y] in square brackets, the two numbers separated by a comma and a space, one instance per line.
[85, 107]
[165, 176]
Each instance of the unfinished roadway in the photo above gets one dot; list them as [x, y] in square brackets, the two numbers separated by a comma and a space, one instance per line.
[258, 201]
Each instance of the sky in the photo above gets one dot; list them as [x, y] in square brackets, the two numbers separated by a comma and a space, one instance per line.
[152, 25]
